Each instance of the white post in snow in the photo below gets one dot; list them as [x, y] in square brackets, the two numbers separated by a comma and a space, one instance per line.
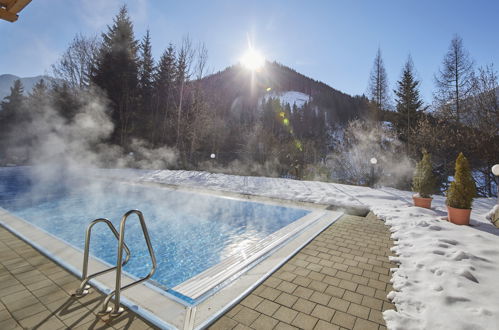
[373, 161]
[495, 171]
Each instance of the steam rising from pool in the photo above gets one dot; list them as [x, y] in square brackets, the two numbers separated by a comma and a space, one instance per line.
[62, 147]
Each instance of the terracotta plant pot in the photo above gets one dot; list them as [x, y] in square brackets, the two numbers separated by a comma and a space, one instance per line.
[458, 216]
[422, 202]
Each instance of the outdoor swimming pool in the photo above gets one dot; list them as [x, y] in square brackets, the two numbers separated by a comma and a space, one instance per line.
[189, 232]
[212, 248]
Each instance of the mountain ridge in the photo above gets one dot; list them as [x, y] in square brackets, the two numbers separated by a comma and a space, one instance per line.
[7, 80]
[237, 84]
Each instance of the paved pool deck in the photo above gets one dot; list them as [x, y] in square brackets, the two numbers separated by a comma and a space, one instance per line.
[35, 293]
[338, 281]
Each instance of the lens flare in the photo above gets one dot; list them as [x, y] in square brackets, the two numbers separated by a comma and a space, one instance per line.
[253, 60]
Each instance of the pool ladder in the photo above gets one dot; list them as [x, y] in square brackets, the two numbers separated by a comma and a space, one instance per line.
[84, 286]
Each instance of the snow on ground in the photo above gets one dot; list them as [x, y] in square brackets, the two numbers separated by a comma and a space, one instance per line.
[448, 275]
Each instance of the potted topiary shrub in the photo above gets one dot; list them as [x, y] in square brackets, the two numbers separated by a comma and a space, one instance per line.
[423, 182]
[461, 193]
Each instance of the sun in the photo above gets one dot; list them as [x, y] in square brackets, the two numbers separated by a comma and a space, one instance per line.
[253, 60]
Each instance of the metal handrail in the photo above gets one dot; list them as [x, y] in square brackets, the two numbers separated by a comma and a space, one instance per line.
[121, 243]
[83, 289]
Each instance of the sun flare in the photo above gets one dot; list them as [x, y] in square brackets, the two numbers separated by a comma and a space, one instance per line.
[253, 60]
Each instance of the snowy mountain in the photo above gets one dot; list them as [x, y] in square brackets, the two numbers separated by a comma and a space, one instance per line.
[7, 80]
[289, 97]
[239, 88]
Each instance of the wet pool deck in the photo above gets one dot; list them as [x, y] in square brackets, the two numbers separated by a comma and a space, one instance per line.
[338, 281]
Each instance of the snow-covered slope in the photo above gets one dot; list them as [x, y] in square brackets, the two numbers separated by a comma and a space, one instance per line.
[447, 276]
[289, 97]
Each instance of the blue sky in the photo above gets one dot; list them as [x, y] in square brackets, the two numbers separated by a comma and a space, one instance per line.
[331, 41]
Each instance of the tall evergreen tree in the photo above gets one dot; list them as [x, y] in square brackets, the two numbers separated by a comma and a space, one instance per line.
[39, 96]
[146, 80]
[11, 106]
[378, 85]
[454, 80]
[65, 100]
[164, 80]
[33, 123]
[408, 102]
[146, 64]
[14, 100]
[116, 72]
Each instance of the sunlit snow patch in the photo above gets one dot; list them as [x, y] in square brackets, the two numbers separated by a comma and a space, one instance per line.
[289, 97]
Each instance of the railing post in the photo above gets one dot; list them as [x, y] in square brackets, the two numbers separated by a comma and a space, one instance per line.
[117, 310]
[117, 291]
[83, 289]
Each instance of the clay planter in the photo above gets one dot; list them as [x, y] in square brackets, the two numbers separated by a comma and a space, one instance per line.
[458, 216]
[422, 202]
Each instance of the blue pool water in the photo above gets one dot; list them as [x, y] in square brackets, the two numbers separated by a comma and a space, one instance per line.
[190, 232]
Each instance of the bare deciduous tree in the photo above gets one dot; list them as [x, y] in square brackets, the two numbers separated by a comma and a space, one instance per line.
[185, 59]
[201, 60]
[484, 118]
[485, 100]
[76, 62]
[453, 81]
[378, 84]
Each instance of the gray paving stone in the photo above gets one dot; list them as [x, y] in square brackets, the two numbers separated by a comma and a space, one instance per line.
[264, 322]
[285, 314]
[304, 321]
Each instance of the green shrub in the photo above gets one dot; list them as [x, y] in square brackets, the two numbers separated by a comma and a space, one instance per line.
[462, 190]
[423, 181]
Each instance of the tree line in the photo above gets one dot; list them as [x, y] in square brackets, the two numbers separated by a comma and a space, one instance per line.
[463, 117]
[163, 103]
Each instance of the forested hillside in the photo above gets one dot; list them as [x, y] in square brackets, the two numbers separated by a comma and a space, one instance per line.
[111, 104]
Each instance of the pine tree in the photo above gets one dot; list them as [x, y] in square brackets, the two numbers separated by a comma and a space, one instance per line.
[409, 104]
[38, 98]
[462, 190]
[33, 122]
[146, 64]
[424, 181]
[454, 80]
[14, 100]
[378, 85]
[116, 72]
[11, 107]
[65, 100]
[146, 80]
[164, 80]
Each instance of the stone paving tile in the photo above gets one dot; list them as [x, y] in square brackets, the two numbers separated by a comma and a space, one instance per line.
[338, 281]
[35, 294]
[286, 315]
[264, 322]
